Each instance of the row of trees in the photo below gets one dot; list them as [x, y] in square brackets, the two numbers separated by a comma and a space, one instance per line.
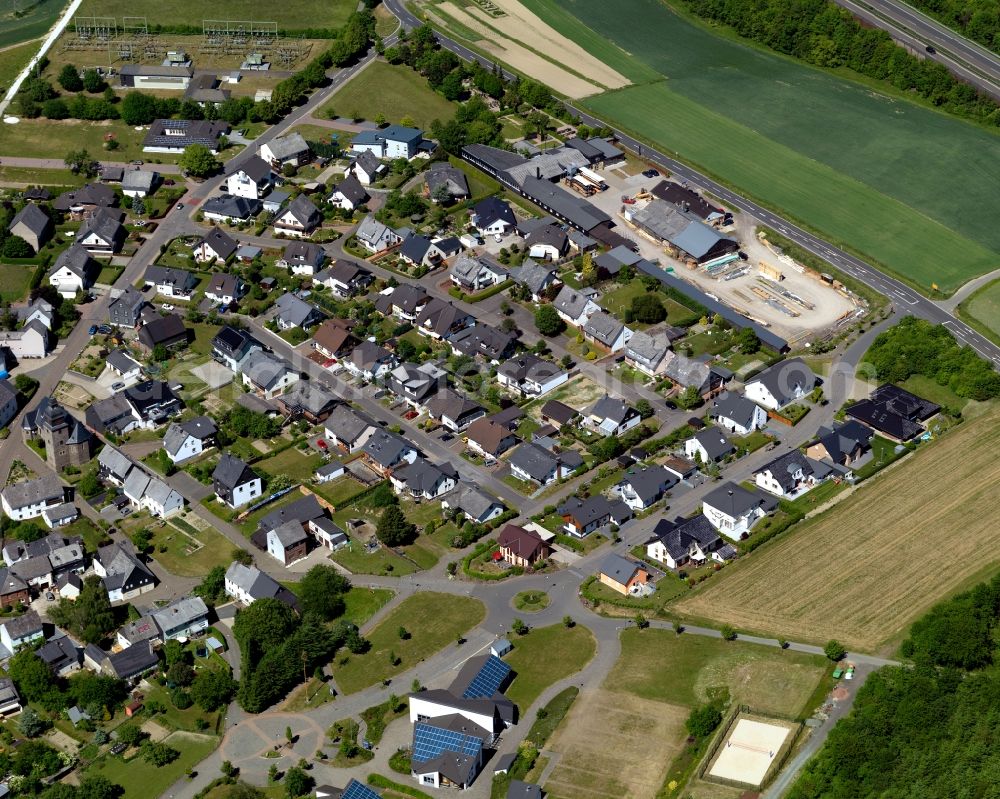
[821, 33]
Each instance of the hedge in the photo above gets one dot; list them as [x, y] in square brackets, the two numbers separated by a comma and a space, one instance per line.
[487, 293]
[386, 784]
[482, 549]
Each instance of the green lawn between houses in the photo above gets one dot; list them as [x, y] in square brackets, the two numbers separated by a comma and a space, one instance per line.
[141, 780]
[544, 656]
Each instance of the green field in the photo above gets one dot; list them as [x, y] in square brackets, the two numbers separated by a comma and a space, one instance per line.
[46, 138]
[291, 15]
[14, 281]
[141, 780]
[32, 24]
[896, 181]
[982, 308]
[394, 91]
[544, 656]
[13, 60]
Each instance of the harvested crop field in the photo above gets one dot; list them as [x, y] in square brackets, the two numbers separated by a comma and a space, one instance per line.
[614, 744]
[862, 572]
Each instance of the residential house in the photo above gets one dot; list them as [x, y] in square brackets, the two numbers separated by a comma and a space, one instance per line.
[301, 512]
[81, 203]
[416, 384]
[333, 338]
[686, 372]
[231, 347]
[605, 330]
[792, 474]
[293, 312]
[533, 463]
[345, 278]
[610, 264]
[175, 135]
[549, 243]
[575, 306]
[521, 547]
[782, 384]
[444, 180]
[102, 233]
[229, 209]
[348, 429]
[484, 341]
[8, 402]
[150, 493]
[183, 618]
[125, 576]
[167, 330]
[329, 472]
[536, 278]
[349, 194]
[61, 655]
[405, 302]
[683, 541]
[268, 374]
[893, 412]
[530, 376]
[32, 225]
[394, 141]
[647, 352]
[252, 180]
[385, 451]
[130, 663]
[125, 308]
[475, 504]
[623, 575]
[557, 414]
[642, 487]
[448, 751]
[216, 245]
[474, 273]
[708, 446]
[423, 479]
[843, 445]
[493, 217]
[370, 362]
[21, 631]
[302, 258]
[611, 417]
[13, 589]
[247, 584]
[367, 168]
[376, 237]
[288, 542]
[234, 482]
[177, 284]
[418, 250]
[299, 218]
[439, 319]
[489, 439]
[291, 149]
[73, 271]
[139, 182]
[453, 410]
[187, 439]
[733, 510]
[738, 414]
[581, 517]
[307, 400]
[124, 365]
[113, 466]
[27, 499]
[37, 310]
[224, 288]
[60, 515]
[139, 631]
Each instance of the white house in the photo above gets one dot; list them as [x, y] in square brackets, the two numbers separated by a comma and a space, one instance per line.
[299, 219]
[235, 483]
[791, 475]
[708, 446]
[395, 141]
[31, 341]
[139, 182]
[738, 415]
[181, 619]
[575, 306]
[530, 376]
[611, 417]
[641, 488]
[695, 540]
[73, 271]
[150, 493]
[291, 149]
[21, 631]
[376, 237]
[782, 384]
[349, 194]
[288, 542]
[268, 374]
[475, 273]
[27, 499]
[733, 510]
[604, 329]
[253, 180]
[423, 479]
[366, 168]
[224, 288]
[184, 440]
[216, 245]
[102, 234]
[493, 217]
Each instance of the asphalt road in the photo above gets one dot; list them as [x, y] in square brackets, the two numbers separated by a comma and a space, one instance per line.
[899, 293]
[966, 59]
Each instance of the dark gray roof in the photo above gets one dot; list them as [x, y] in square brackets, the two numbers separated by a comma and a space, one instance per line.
[47, 487]
[678, 535]
[122, 361]
[533, 460]
[714, 442]
[231, 472]
[736, 408]
[534, 276]
[255, 168]
[603, 327]
[842, 441]
[184, 132]
[491, 210]
[346, 423]
[133, 660]
[571, 301]
[732, 499]
[230, 206]
[587, 511]
[608, 407]
[32, 217]
[482, 340]
[620, 569]
[290, 533]
[424, 476]
[301, 511]
[523, 790]
[294, 311]
[222, 243]
[415, 247]
[171, 276]
[448, 402]
[472, 500]
[785, 378]
[785, 466]
[77, 260]
[555, 199]
[304, 252]
[351, 188]
[23, 626]
[442, 173]
[386, 448]
[290, 146]
[304, 211]
[649, 482]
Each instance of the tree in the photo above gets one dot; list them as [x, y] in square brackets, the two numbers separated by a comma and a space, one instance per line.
[31, 724]
[568, 622]
[228, 769]
[180, 674]
[158, 754]
[97, 787]
[263, 625]
[240, 555]
[213, 587]
[689, 398]
[703, 720]
[641, 621]
[728, 632]
[393, 529]
[69, 78]
[138, 205]
[588, 270]
[289, 735]
[548, 321]
[93, 82]
[138, 109]
[90, 484]
[212, 689]
[80, 162]
[747, 341]
[159, 353]
[519, 627]
[16, 247]
[834, 650]
[197, 160]
[90, 617]
[322, 590]
[644, 408]
[648, 309]
[142, 538]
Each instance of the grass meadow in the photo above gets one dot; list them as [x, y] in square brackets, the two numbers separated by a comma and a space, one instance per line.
[34, 23]
[290, 15]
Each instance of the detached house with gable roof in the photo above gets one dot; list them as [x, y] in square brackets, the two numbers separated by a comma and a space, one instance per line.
[530, 376]
[738, 415]
[102, 233]
[733, 510]
[493, 217]
[125, 308]
[394, 141]
[647, 352]
[682, 541]
[73, 271]
[575, 306]
[185, 440]
[247, 584]
[294, 312]
[453, 410]
[475, 504]
[349, 194]
[367, 168]
[521, 547]
[642, 487]
[709, 445]
[302, 258]
[782, 384]
[178, 284]
[535, 277]
[216, 245]
[299, 219]
[124, 575]
[477, 272]
[844, 445]
[489, 439]
[252, 180]
[345, 278]
[33, 225]
[268, 374]
[291, 149]
[376, 237]
[793, 474]
[235, 483]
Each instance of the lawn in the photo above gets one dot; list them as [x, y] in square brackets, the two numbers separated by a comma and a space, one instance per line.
[183, 557]
[930, 389]
[48, 138]
[360, 604]
[544, 656]
[292, 463]
[336, 491]
[860, 572]
[141, 780]
[690, 670]
[12, 61]
[293, 14]
[14, 281]
[892, 199]
[620, 299]
[531, 601]
[395, 92]
[32, 25]
[433, 621]
[982, 308]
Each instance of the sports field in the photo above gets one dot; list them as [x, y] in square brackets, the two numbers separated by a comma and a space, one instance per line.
[289, 14]
[862, 572]
[897, 181]
[32, 24]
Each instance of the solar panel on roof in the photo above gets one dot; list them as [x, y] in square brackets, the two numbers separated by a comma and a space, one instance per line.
[355, 790]
[488, 681]
[430, 742]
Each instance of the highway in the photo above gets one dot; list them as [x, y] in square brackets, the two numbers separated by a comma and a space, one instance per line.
[901, 295]
[966, 59]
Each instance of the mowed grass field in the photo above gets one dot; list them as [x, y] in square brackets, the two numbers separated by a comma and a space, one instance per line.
[544, 656]
[32, 25]
[394, 91]
[290, 14]
[984, 308]
[862, 572]
[895, 180]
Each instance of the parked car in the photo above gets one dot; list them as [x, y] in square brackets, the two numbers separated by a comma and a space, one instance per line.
[136, 163]
[117, 386]
[180, 206]
[497, 238]
[104, 330]
[166, 307]
[650, 173]
[50, 596]
[92, 330]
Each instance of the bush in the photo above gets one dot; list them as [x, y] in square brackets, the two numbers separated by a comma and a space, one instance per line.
[728, 632]
[834, 650]
[703, 720]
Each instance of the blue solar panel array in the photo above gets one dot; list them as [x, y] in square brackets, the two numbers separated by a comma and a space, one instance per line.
[488, 681]
[430, 741]
[355, 790]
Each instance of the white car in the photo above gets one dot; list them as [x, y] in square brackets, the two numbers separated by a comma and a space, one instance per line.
[166, 307]
[498, 238]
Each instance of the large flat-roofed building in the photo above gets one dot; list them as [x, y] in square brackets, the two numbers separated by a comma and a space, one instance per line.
[149, 76]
